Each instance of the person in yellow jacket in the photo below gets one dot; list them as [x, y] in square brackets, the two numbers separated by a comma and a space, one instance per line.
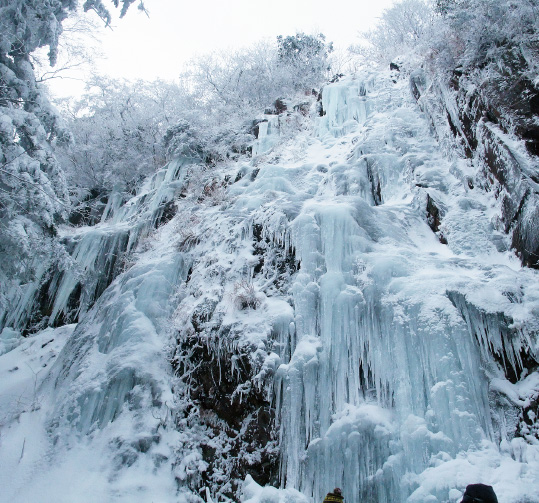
[334, 497]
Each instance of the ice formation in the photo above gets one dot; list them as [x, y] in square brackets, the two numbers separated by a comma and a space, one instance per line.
[98, 253]
[361, 276]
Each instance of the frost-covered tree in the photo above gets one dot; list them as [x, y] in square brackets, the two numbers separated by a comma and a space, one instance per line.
[229, 90]
[241, 81]
[77, 47]
[33, 190]
[402, 28]
[117, 129]
[451, 33]
[253, 78]
[123, 130]
[306, 56]
[479, 31]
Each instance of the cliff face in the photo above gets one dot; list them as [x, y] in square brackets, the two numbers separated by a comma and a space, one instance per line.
[343, 309]
[491, 113]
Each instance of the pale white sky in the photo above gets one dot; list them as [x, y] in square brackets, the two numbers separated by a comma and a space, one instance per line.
[178, 30]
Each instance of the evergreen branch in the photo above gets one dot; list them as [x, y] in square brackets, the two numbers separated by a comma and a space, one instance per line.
[36, 185]
[12, 200]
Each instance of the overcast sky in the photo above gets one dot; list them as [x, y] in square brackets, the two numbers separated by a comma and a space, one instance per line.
[178, 30]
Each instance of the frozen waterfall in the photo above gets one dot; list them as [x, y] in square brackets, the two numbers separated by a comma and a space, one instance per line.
[346, 297]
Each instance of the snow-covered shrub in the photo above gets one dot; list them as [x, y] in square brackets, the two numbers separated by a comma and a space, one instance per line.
[214, 192]
[184, 139]
[451, 33]
[306, 57]
[229, 90]
[482, 30]
[185, 227]
[253, 78]
[245, 296]
[187, 239]
[117, 129]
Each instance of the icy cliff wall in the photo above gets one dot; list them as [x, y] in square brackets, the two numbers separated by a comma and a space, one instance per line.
[490, 116]
[343, 309]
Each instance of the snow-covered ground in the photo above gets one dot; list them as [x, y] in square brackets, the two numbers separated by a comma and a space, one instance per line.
[384, 344]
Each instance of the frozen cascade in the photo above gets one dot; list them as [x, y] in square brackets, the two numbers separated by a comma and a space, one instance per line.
[118, 347]
[346, 106]
[350, 287]
[99, 252]
[268, 135]
[110, 389]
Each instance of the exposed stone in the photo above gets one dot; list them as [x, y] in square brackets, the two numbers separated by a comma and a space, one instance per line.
[525, 362]
[302, 108]
[255, 127]
[236, 411]
[506, 103]
[434, 219]
[278, 107]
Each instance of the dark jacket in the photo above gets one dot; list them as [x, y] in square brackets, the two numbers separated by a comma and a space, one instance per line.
[333, 498]
[479, 493]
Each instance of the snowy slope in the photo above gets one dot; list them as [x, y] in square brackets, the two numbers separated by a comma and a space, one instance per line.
[340, 310]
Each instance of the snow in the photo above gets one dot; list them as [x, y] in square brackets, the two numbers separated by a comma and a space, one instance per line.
[383, 350]
[254, 493]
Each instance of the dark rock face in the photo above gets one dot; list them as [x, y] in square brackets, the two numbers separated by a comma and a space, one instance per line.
[44, 303]
[504, 104]
[418, 83]
[513, 356]
[255, 127]
[91, 285]
[434, 219]
[273, 258]
[167, 212]
[278, 107]
[90, 209]
[226, 381]
[376, 189]
[487, 117]
[525, 236]
[234, 411]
